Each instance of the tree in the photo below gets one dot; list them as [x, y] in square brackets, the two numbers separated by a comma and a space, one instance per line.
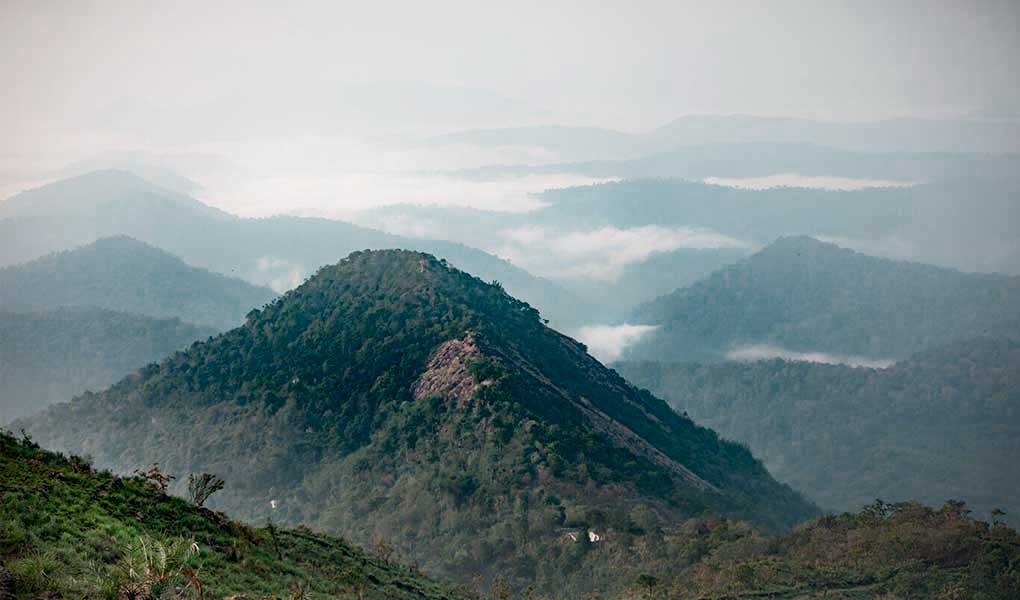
[203, 486]
[155, 479]
[381, 549]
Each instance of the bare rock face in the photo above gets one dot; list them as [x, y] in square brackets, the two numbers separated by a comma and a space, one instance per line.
[448, 374]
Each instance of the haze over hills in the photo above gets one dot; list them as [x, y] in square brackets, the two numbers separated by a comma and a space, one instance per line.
[965, 224]
[435, 410]
[940, 425]
[893, 135]
[276, 251]
[803, 295]
[52, 356]
[123, 274]
[765, 159]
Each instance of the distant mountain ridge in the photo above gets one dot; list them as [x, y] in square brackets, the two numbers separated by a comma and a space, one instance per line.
[805, 295]
[435, 410]
[940, 425]
[126, 275]
[890, 135]
[766, 158]
[275, 251]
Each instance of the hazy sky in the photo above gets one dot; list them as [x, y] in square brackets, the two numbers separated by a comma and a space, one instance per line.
[280, 96]
[623, 64]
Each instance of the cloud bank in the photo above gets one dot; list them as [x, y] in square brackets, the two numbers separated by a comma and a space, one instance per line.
[607, 342]
[796, 180]
[765, 351]
[602, 253]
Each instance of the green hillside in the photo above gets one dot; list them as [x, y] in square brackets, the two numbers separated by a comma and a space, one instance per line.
[940, 425]
[126, 275]
[394, 396]
[52, 356]
[69, 531]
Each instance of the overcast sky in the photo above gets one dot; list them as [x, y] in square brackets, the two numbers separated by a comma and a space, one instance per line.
[618, 64]
[304, 86]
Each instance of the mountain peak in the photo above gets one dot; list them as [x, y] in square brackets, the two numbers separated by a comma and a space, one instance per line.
[396, 381]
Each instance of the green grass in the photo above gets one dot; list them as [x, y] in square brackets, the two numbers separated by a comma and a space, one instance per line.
[70, 532]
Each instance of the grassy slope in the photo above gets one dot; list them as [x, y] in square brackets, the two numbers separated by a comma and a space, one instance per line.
[64, 529]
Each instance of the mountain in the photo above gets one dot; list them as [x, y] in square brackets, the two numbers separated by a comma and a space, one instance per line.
[392, 395]
[52, 356]
[764, 159]
[123, 274]
[69, 531]
[277, 251]
[890, 135]
[941, 425]
[803, 295]
[605, 299]
[79, 210]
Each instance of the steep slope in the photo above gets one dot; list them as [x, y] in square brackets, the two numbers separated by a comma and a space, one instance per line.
[68, 531]
[123, 274]
[278, 251]
[942, 424]
[393, 395]
[804, 295]
[52, 356]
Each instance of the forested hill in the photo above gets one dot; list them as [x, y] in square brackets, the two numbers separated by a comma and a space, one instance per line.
[433, 409]
[52, 356]
[809, 296]
[943, 424]
[123, 274]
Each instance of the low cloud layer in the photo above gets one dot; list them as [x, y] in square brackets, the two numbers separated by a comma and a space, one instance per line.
[607, 342]
[602, 253]
[766, 351]
[796, 180]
